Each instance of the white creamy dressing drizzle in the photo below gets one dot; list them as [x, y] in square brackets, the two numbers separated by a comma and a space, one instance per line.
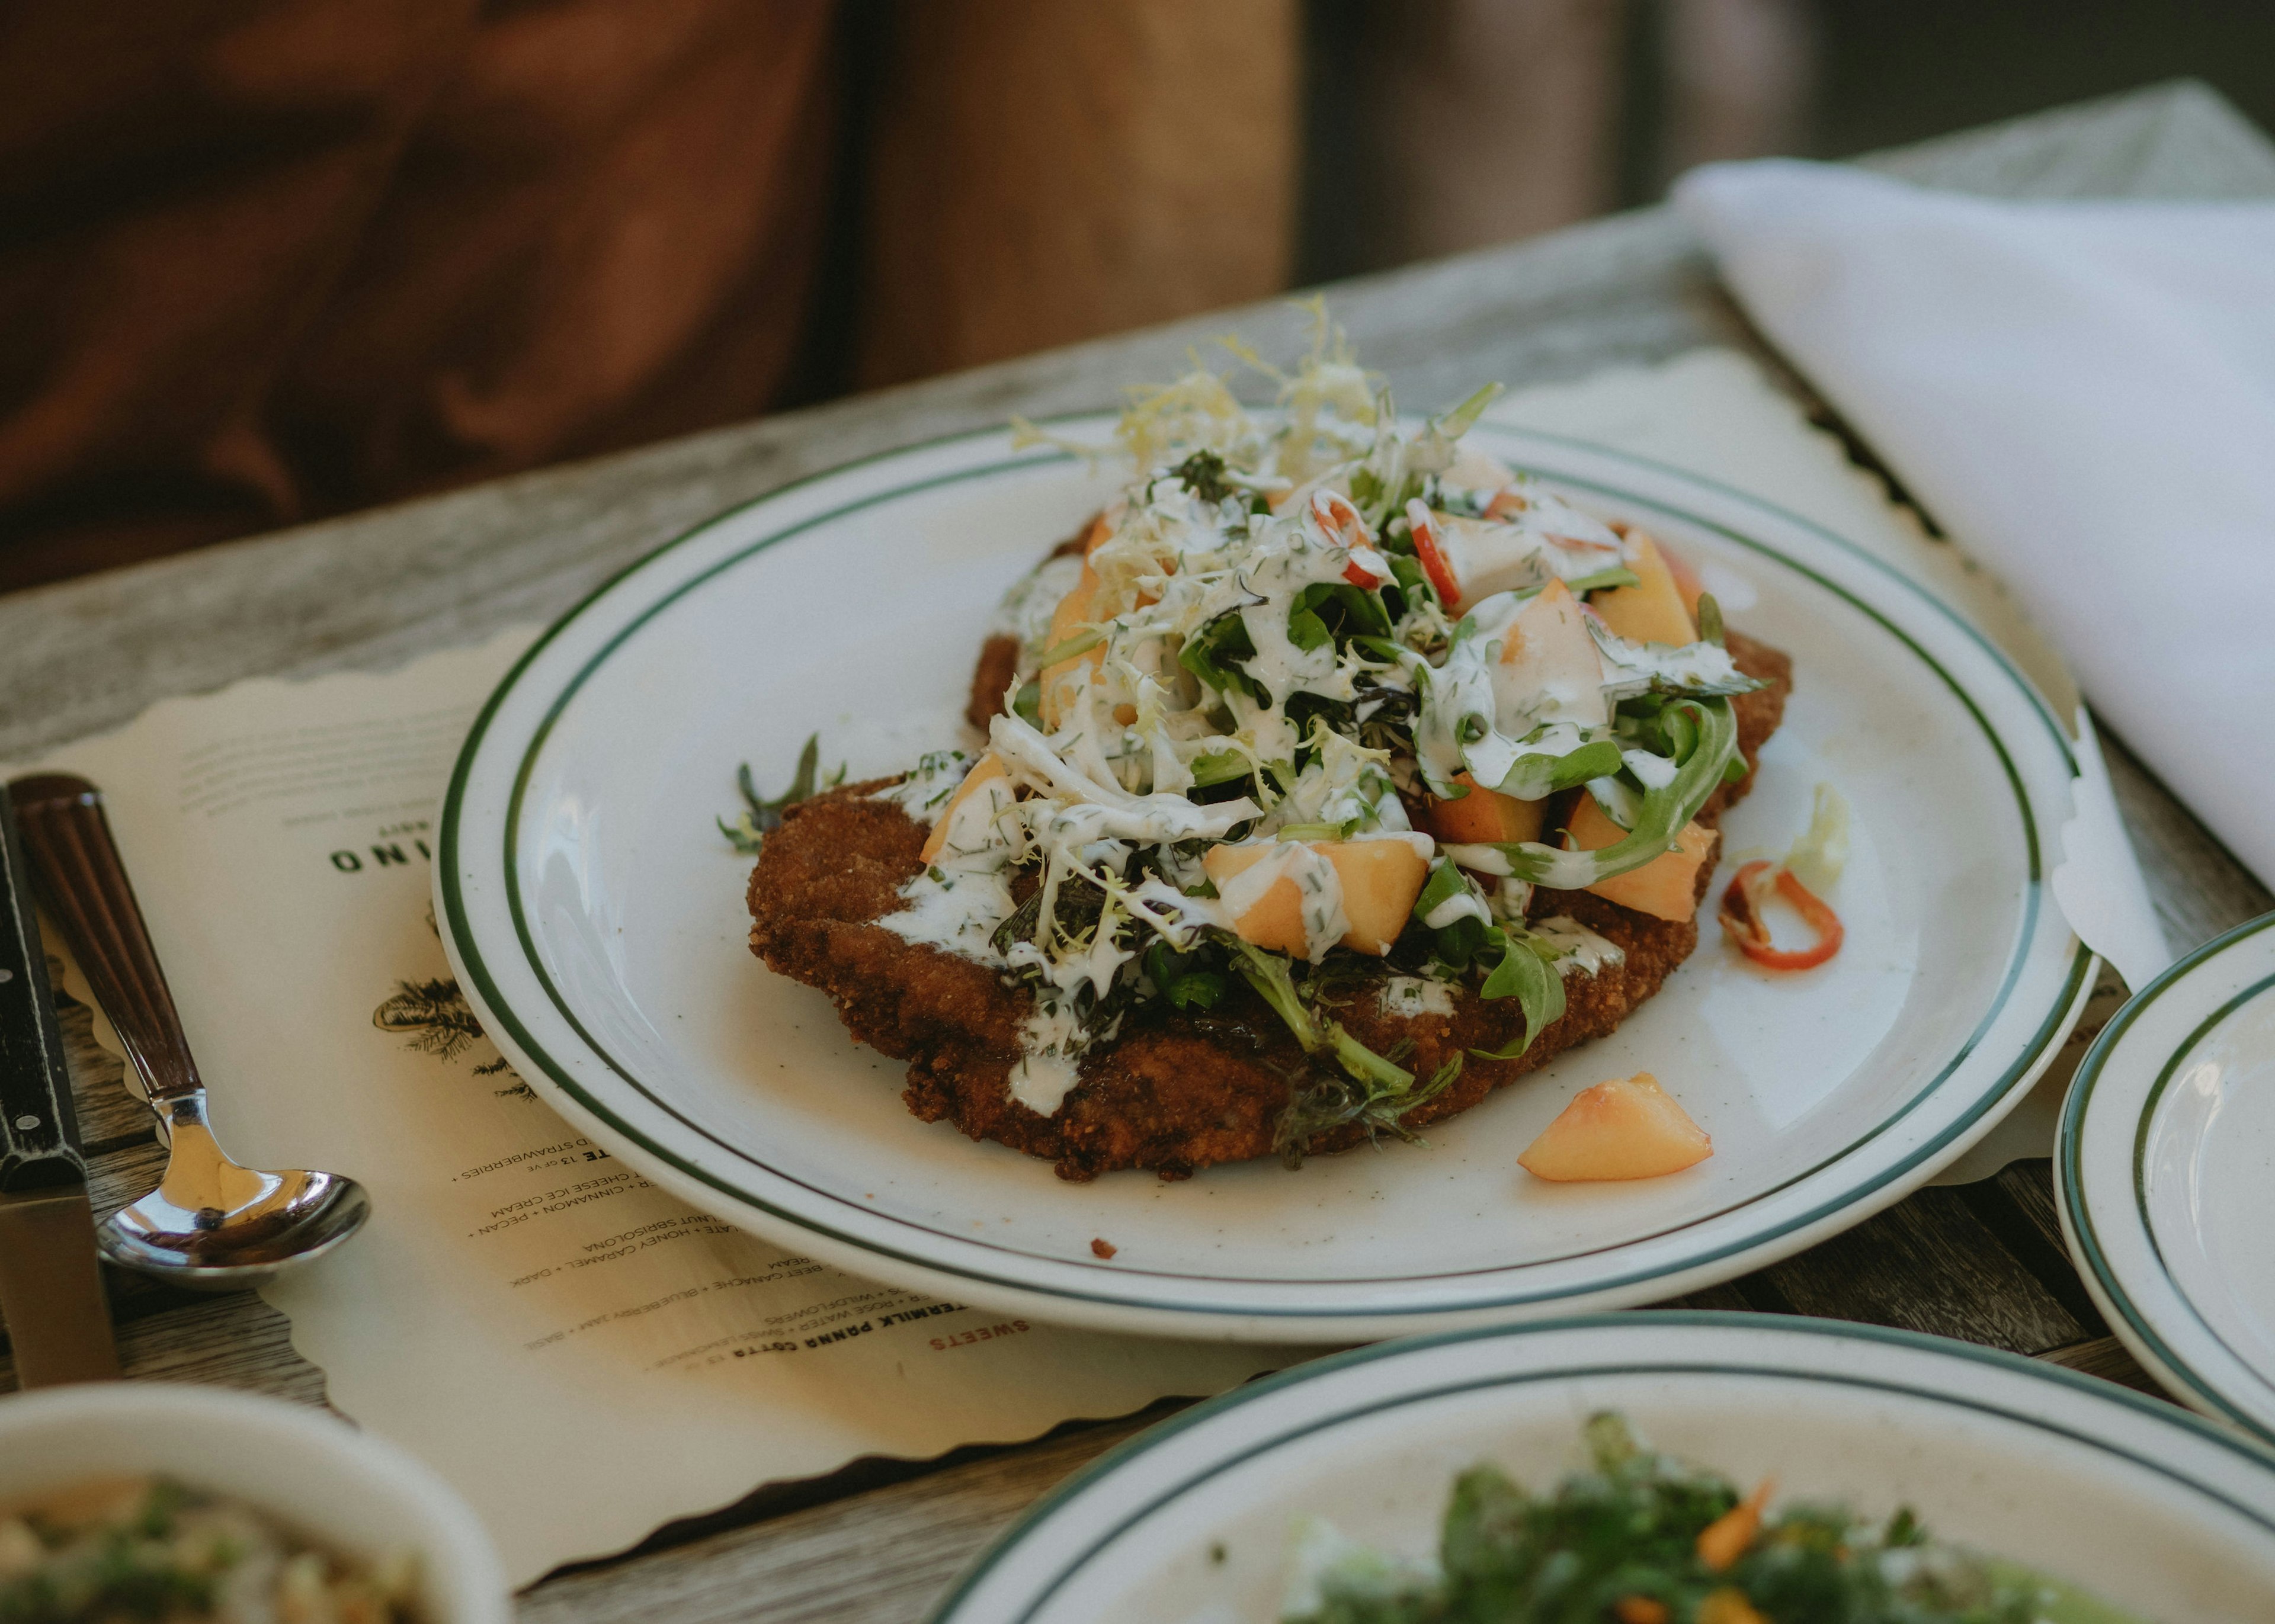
[1026, 609]
[1547, 539]
[1630, 667]
[1584, 949]
[1543, 708]
[1409, 996]
[925, 791]
[1048, 1068]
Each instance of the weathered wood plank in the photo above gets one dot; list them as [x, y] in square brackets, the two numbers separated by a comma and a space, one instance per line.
[1930, 1263]
[2106, 1356]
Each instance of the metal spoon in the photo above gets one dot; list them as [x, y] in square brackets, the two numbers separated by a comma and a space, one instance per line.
[210, 1224]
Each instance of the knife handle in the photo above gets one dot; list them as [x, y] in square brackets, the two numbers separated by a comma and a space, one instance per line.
[84, 885]
[39, 1132]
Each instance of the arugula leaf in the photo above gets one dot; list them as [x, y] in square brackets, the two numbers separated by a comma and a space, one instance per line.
[1215, 653]
[1183, 977]
[1611, 575]
[1080, 643]
[1274, 981]
[1537, 776]
[1706, 737]
[1335, 610]
[1219, 766]
[1528, 973]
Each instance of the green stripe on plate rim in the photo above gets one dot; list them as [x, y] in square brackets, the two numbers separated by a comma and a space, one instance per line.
[1209, 1410]
[453, 901]
[2069, 1161]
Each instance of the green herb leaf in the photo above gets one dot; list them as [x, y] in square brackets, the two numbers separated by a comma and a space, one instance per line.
[1080, 643]
[1536, 777]
[762, 817]
[1710, 733]
[1215, 653]
[1611, 575]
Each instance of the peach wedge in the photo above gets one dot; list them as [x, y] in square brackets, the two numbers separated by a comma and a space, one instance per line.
[1629, 1127]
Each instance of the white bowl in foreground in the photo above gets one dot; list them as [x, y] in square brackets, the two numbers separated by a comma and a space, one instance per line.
[312, 1473]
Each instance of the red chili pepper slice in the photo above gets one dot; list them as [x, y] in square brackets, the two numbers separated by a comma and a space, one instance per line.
[1741, 919]
[1433, 555]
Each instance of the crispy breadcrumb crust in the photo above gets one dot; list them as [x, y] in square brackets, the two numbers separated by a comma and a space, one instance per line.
[1173, 1091]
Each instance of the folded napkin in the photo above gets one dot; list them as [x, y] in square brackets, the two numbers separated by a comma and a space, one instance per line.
[2082, 395]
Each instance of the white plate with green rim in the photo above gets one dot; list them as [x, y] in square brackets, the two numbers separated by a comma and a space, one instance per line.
[2133, 1501]
[2165, 1168]
[597, 923]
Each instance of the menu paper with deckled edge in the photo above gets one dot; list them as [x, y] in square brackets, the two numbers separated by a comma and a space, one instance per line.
[582, 1355]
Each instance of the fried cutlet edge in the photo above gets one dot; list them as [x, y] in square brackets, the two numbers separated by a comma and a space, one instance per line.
[1172, 1092]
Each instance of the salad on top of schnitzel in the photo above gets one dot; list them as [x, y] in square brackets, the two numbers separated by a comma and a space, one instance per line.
[1335, 774]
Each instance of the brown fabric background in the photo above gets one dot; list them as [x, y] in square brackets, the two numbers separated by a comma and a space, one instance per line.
[263, 261]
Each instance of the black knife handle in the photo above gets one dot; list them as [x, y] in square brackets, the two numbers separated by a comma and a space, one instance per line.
[84, 885]
[39, 1133]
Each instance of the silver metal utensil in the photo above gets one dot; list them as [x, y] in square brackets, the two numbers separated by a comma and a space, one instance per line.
[51, 1288]
[210, 1224]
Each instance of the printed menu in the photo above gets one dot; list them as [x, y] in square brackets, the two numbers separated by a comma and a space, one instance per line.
[581, 1355]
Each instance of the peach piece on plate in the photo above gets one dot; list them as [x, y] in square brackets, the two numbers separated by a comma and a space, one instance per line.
[1628, 1127]
[1652, 611]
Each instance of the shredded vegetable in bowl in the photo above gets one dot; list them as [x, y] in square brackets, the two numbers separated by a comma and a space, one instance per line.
[150, 1548]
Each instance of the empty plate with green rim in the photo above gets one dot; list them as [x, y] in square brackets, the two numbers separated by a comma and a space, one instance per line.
[2133, 1501]
[2167, 1173]
[597, 921]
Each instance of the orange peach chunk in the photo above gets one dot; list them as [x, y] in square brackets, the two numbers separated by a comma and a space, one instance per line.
[1666, 887]
[983, 771]
[1484, 817]
[1653, 611]
[1381, 878]
[1628, 1127]
[1072, 615]
[1273, 920]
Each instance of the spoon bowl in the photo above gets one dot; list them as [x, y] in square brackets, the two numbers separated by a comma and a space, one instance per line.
[211, 1225]
[214, 1226]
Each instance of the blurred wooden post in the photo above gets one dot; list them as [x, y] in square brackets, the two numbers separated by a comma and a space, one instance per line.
[1045, 172]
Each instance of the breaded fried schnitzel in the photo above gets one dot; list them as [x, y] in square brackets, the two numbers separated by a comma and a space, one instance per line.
[1176, 1090]
[1336, 775]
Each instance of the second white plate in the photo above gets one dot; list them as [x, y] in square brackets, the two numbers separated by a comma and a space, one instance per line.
[2165, 1168]
[597, 923]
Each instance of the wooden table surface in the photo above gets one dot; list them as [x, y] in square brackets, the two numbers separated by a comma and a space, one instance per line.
[880, 1540]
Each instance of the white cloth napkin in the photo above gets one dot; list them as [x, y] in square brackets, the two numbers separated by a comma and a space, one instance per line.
[2083, 394]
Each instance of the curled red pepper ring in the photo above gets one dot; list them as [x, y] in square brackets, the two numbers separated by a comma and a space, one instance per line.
[1742, 918]
[1428, 549]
